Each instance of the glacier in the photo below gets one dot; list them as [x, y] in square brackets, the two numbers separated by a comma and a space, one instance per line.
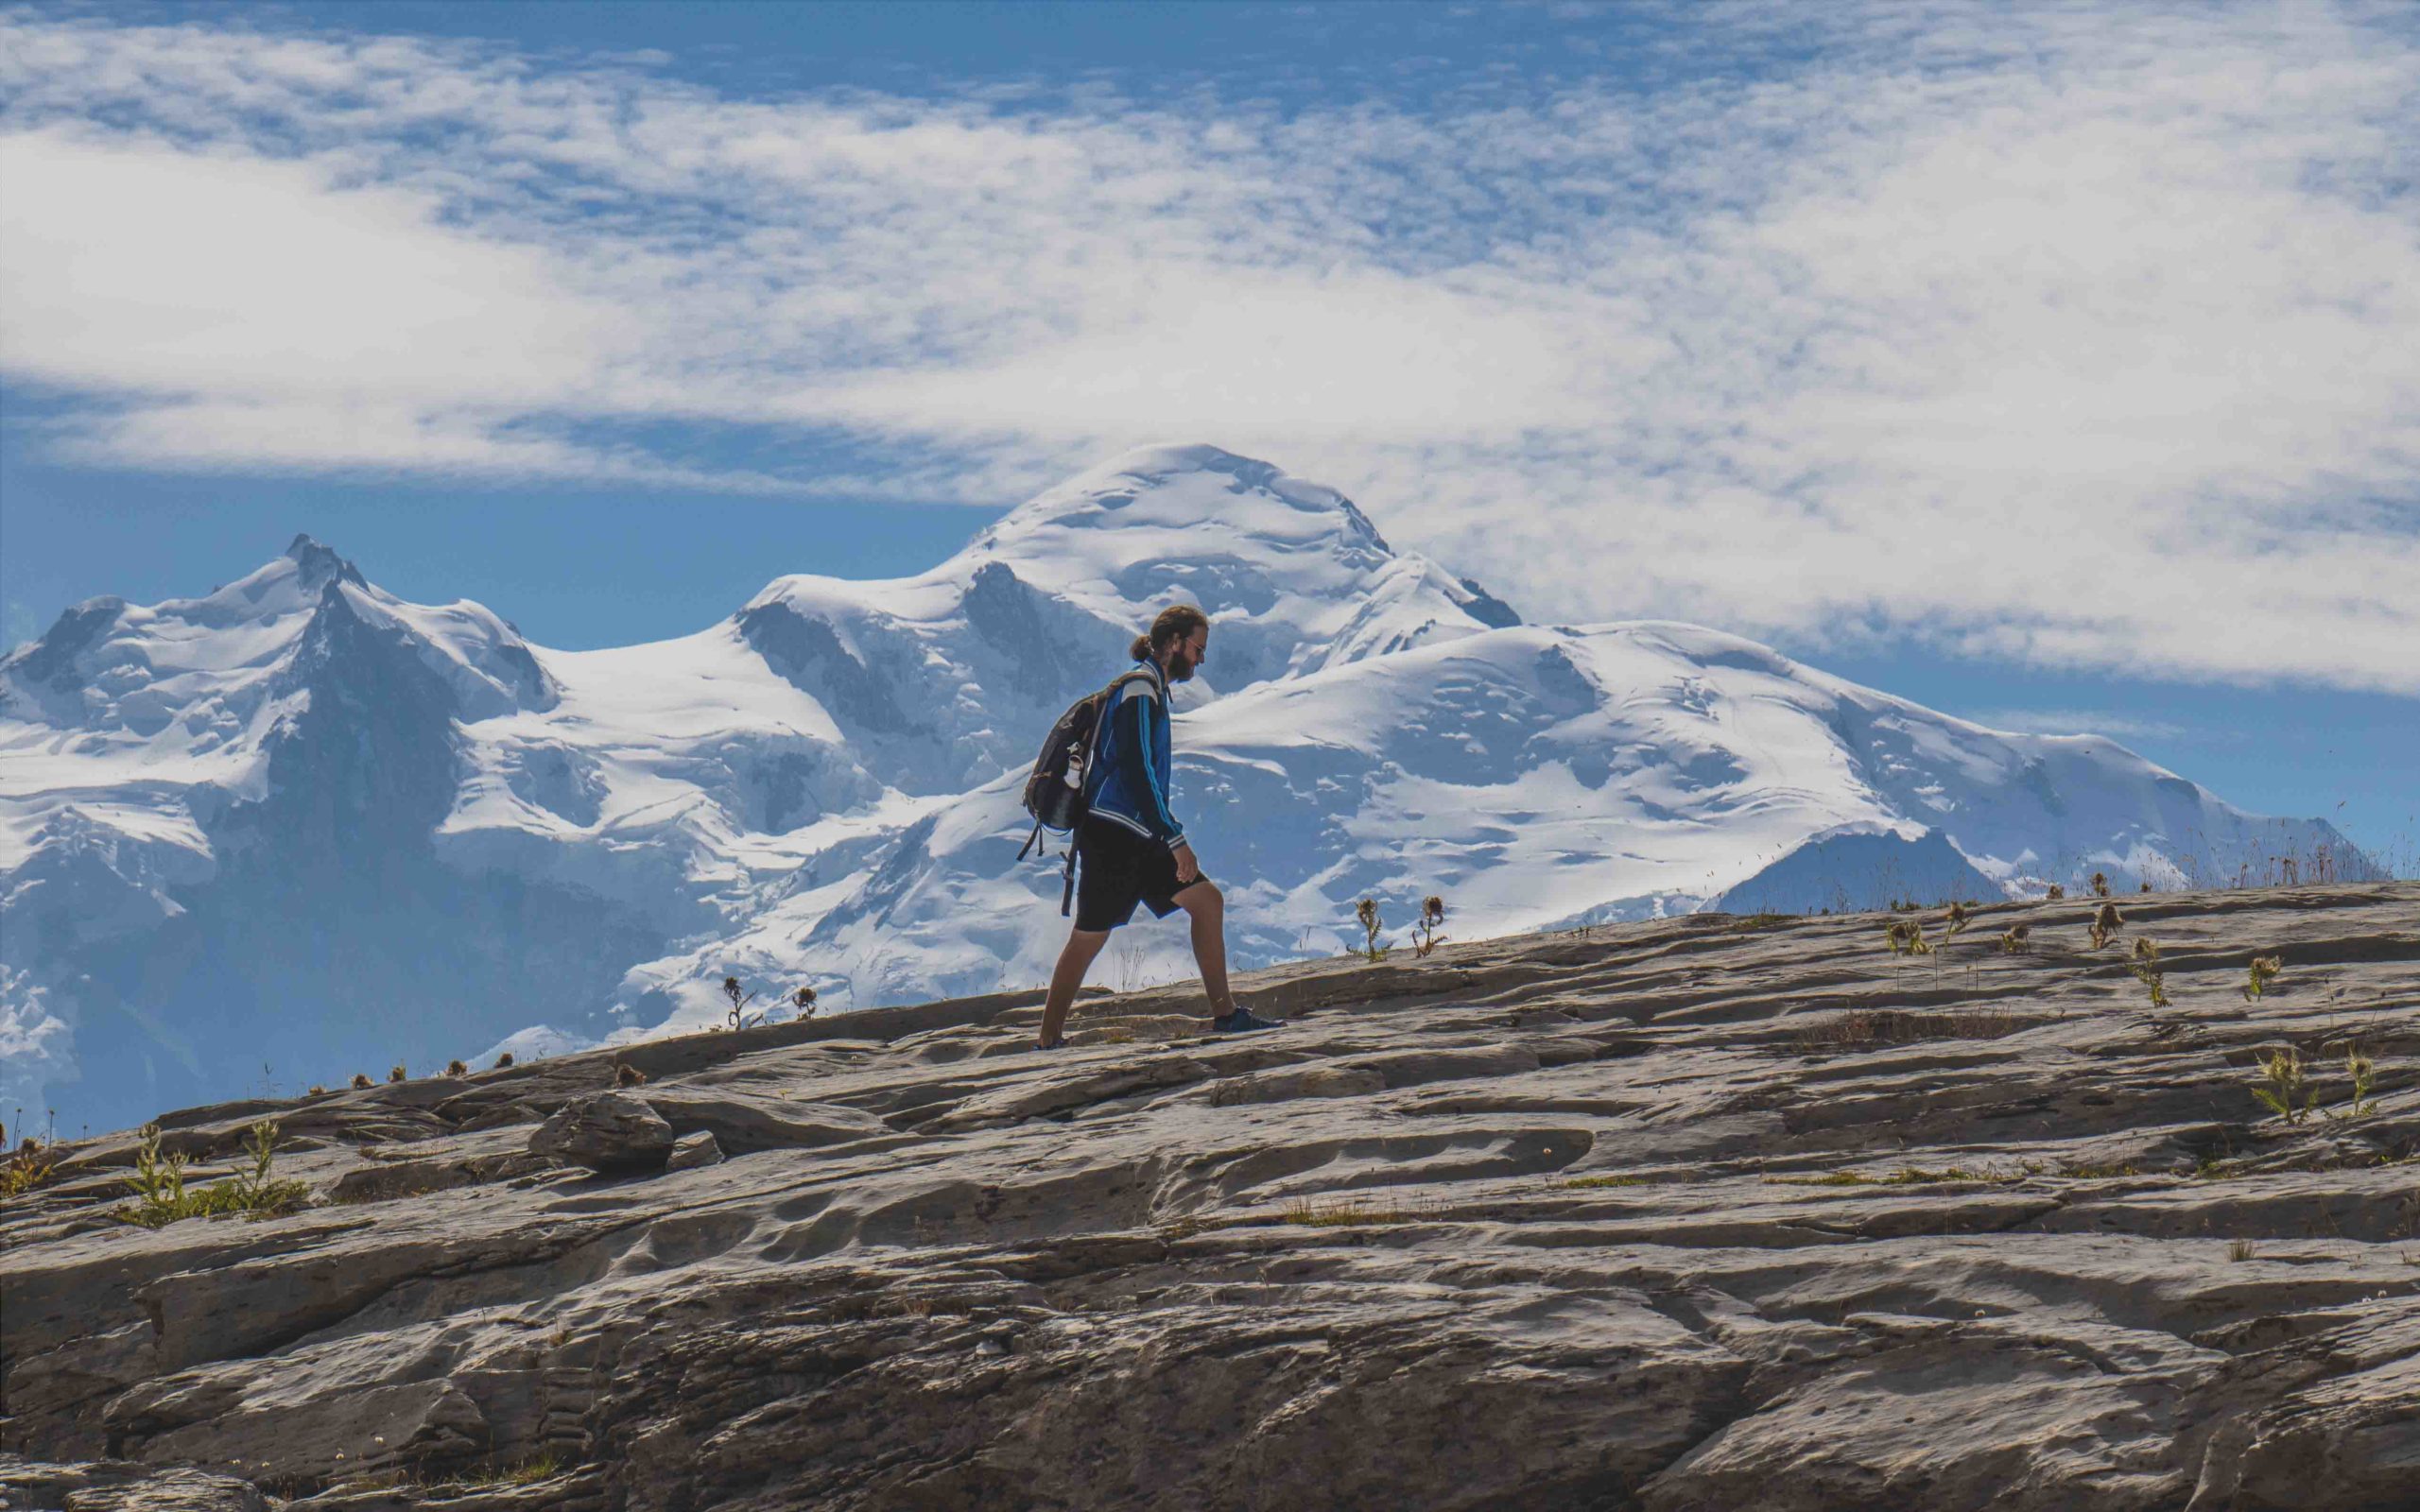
[299, 826]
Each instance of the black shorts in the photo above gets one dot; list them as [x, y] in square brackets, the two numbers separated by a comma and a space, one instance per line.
[1115, 868]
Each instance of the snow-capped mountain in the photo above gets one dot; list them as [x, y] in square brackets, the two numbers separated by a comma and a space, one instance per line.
[299, 826]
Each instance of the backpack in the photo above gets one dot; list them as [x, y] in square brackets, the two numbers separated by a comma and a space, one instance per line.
[1058, 793]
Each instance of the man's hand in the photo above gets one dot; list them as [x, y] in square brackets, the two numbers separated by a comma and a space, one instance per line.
[1187, 870]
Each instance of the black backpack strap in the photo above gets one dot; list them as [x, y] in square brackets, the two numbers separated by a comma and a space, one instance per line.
[1030, 841]
[1067, 893]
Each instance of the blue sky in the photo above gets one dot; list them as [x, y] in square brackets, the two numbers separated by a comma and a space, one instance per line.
[2058, 366]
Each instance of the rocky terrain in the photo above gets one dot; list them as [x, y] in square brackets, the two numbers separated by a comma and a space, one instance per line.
[1703, 1212]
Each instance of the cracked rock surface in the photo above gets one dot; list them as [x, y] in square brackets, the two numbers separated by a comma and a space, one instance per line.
[1702, 1213]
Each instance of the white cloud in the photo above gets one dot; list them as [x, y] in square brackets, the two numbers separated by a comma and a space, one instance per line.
[2077, 722]
[2079, 337]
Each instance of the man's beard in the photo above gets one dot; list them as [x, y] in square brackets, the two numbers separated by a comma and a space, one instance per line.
[1180, 666]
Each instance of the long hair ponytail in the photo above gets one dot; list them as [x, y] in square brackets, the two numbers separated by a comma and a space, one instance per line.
[1174, 622]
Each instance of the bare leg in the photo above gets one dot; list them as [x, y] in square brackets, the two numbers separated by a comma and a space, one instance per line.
[1208, 908]
[1074, 961]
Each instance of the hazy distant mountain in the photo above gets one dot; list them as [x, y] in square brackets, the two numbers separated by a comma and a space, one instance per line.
[303, 823]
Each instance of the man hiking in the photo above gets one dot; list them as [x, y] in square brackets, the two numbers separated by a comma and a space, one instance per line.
[1128, 848]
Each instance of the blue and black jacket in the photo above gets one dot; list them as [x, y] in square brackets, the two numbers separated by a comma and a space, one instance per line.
[1131, 771]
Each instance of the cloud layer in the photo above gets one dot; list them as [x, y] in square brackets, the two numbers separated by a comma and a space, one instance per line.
[2088, 338]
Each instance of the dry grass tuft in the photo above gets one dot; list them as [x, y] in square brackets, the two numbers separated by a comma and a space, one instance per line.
[1355, 1213]
[1896, 1027]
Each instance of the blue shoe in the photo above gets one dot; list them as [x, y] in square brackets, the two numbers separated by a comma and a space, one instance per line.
[1243, 1021]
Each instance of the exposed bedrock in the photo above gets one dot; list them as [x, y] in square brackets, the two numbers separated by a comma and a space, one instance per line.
[1702, 1213]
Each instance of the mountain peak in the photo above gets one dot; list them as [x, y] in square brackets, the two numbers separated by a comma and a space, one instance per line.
[1192, 486]
[318, 565]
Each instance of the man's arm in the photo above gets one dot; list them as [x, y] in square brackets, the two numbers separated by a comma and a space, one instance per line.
[1137, 710]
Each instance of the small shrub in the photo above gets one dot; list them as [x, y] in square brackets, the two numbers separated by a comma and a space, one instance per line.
[2264, 970]
[626, 1075]
[397, 1073]
[503, 1061]
[1957, 918]
[361, 1081]
[2146, 970]
[1366, 912]
[2145, 887]
[317, 1091]
[2284, 1088]
[456, 1067]
[1424, 933]
[2056, 894]
[804, 1002]
[2105, 924]
[2240, 1249]
[2100, 885]
[2016, 937]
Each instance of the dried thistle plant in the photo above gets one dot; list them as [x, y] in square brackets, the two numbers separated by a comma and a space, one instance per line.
[2146, 970]
[1424, 933]
[2284, 1089]
[503, 1062]
[626, 1075]
[361, 1081]
[397, 1073]
[27, 1169]
[804, 1001]
[1366, 912]
[456, 1067]
[1957, 916]
[1908, 939]
[2364, 1071]
[317, 1091]
[2016, 937]
[2056, 894]
[738, 1001]
[2264, 970]
[2105, 924]
[2100, 885]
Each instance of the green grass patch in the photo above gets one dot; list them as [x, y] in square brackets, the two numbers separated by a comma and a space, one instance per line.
[162, 1197]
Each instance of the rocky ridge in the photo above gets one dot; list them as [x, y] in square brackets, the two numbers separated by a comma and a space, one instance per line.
[1691, 1213]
